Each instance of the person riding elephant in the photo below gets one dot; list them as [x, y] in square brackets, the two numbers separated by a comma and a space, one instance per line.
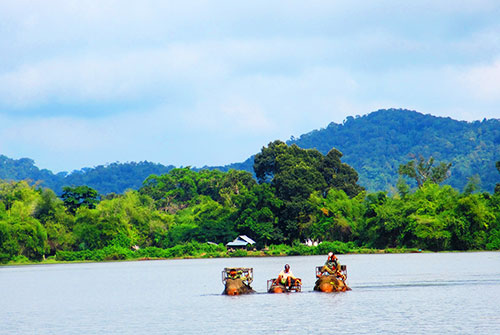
[233, 274]
[332, 266]
[286, 277]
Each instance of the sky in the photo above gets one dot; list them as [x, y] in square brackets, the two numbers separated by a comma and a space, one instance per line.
[204, 83]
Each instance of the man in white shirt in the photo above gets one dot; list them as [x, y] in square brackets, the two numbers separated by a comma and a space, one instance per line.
[286, 276]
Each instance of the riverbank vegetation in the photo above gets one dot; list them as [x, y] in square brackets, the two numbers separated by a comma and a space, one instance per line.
[298, 195]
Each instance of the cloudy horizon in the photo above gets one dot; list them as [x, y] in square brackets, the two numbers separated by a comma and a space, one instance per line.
[85, 83]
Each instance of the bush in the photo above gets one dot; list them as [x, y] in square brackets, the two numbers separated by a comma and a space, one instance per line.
[121, 240]
[238, 253]
[4, 257]
[302, 250]
[152, 252]
[336, 247]
[115, 252]
[19, 259]
[278, 250]
[493, 240]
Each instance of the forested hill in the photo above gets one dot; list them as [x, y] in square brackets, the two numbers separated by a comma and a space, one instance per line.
[376, 144]
[115, 177]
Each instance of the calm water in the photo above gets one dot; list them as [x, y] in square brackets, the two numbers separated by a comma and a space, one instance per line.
[447, 293]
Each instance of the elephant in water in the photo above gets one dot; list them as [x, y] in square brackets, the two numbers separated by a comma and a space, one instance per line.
[273, 286]
[237, 287]
[330, 283]
[237, 281]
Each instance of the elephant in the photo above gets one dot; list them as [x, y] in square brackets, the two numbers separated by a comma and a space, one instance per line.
[275, 287]
[237, 281]
[330, 283]
[236, 287]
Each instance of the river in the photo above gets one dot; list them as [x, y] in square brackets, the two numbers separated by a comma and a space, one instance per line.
[428, 293]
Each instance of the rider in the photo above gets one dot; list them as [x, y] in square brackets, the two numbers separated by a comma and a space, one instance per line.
[286, 276]
[233, 274]
[332, 266]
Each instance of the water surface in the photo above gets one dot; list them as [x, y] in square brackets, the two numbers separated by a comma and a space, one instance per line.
[444, 293]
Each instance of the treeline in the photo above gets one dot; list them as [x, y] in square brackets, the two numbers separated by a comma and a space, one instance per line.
[299, 194]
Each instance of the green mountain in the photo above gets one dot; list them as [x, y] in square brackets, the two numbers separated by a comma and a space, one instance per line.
[376, 144]
[115, 177]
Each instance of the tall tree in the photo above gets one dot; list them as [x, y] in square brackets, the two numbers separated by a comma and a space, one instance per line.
[497, 187]
[295, 173]
[423, 170]
[79, 196]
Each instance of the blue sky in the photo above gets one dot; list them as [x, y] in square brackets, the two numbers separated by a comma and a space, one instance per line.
[84, 83]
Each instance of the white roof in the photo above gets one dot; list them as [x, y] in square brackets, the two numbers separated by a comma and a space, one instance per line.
[247, 239]
[241, 240]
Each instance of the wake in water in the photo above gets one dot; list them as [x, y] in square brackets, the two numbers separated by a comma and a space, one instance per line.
[430, 283]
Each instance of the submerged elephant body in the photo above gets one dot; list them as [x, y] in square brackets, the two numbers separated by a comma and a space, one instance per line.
[277, 288]
[236, 287]
[273, 286]
[330, 283]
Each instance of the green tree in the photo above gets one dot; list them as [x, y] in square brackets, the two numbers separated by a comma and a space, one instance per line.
[58, 223]
[79, 196]
[213, 222]
[339, 175]
[21, 234]
[472, 224]
[473, 184]
[255, 215]
[336, 216]
[497, 187]
[295, 173]
[423, 170]
[384, 223]
[204, 221]
[429, 212]
[172, 189]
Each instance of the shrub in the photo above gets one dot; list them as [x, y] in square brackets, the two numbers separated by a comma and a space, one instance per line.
[238, 253]
[494, 240]
[153, 252]
[280, 249]
[300, 249]
[115, 252]
[20, 259]
[4, 257]
[336, 247]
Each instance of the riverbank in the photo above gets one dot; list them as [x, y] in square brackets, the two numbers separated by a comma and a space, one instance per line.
[202, 250]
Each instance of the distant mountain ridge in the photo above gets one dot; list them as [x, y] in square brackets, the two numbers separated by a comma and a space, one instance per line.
[110, 178]
[374, 145]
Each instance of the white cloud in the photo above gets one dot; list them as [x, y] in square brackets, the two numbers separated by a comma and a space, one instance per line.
[106, 78]
[158, 73]
[483, 81]
[210, 82]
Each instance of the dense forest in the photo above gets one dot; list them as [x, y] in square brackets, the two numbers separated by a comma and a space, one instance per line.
[110, 178]
[375, 145]
[295, 194]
